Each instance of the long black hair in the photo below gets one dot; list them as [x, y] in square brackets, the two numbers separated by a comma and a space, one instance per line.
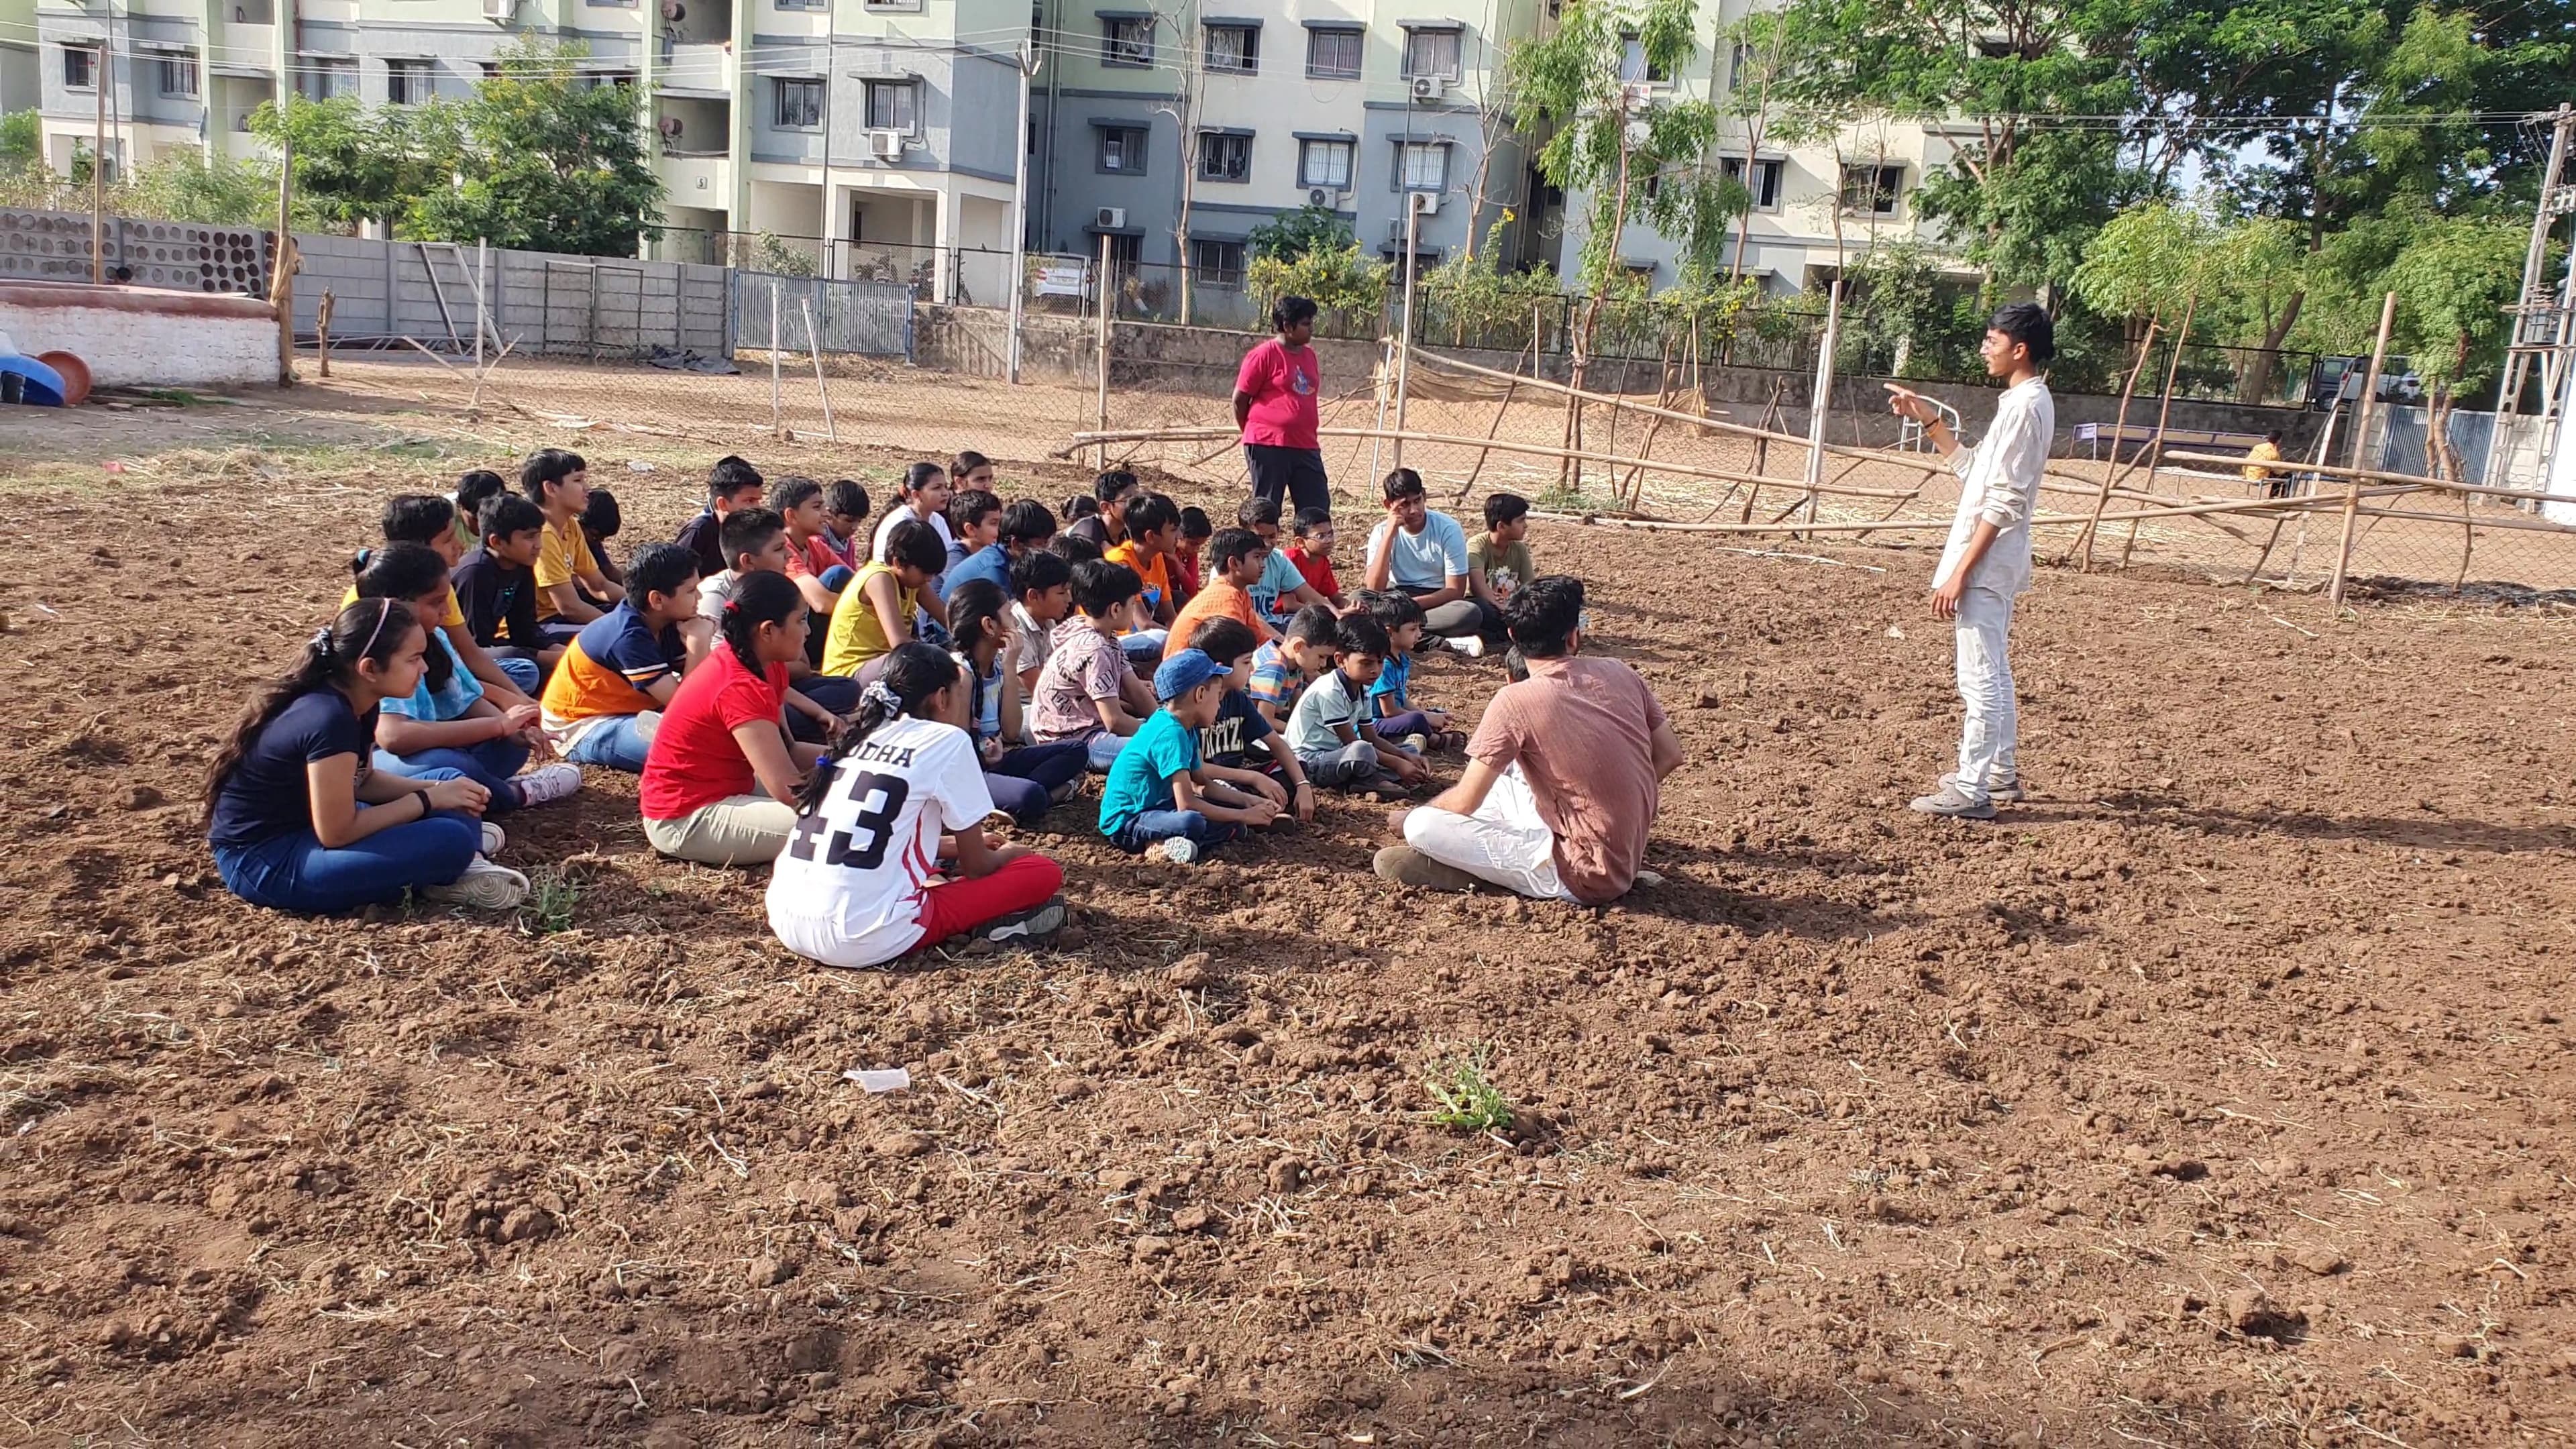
[974, 607]
[762, 598]
[913, 673]
[404, 572]
[370, 629]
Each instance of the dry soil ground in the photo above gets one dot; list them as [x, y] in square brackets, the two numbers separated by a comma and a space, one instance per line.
[2220, 1094]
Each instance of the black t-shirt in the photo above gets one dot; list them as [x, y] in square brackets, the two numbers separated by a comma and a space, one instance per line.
[267, 794]
[1237, 728]
[1094, 527]
[499, 600]
[704, 536]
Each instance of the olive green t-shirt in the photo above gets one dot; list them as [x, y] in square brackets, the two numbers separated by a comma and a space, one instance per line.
[1506, 569]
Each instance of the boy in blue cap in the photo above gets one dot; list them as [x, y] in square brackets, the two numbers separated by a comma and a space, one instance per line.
[1152, 798]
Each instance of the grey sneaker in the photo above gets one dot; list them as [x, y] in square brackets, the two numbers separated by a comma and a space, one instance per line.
[2010, 791]
[1179, 850]
[1405, 865]
[493, 839]
[484, 887]
[1954, 804]
[1032, 926]
[548, 783]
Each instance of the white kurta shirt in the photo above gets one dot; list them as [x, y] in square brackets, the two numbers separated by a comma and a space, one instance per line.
[1999, 484]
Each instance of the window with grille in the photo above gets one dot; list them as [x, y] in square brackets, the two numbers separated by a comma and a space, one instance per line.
[894, 106]
[408, 82]
[1333, 54]
[1217, 263]
[80, 68]
[1224, 158]
[1422, 166]
[800, 104]
[1122, 150]
[1763, 184]
[1235, 49]
[1872, 190]
[1130, 42]
[1634, 66]
[1325, 163]
[1431, 53]
[179, 75]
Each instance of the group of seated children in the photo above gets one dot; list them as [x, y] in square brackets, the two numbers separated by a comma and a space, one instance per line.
[790, 694]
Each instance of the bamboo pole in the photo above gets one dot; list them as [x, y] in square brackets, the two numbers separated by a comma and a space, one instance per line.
[281, 287]
[2164, 412]
[1497, 425]
[1820, 404]
[1404, 318]
[2119, 430]
[2361, 436]
[1100, 352]
[322, 329]
[98, 77]
[814, 350]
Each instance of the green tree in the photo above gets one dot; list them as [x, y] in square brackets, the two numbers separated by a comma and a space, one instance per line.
[22, 136]
[542, 160]
[353, 165]
[1586, 89]
[2453, 283]
[1288, 235]
[1337, 281]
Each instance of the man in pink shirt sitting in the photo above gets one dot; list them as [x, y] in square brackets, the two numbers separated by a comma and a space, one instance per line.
[1563, 778]
[1275, 405]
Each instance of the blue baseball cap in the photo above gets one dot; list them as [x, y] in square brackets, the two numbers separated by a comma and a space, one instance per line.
[1186, 671]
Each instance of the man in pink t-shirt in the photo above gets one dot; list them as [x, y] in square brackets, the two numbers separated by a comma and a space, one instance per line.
[1274, 402]
[1563, 778]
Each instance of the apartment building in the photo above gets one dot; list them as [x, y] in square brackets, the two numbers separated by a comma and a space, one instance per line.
[1816, 207]
[20, 87]
[1243, 109]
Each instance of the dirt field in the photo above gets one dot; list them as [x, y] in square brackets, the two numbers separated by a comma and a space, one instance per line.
[2221, 1094]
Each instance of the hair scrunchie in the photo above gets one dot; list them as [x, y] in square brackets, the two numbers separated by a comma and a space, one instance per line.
[883, 698]
[322, 641]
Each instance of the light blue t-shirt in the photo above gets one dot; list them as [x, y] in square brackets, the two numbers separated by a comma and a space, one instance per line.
[1388, 695]
[1141, 780]
[437, 706]
[1279, 578]
[1424, 560]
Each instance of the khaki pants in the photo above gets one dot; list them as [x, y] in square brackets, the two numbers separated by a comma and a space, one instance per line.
[737, 830]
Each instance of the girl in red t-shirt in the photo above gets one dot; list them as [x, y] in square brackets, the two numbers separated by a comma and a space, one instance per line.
[723, 769]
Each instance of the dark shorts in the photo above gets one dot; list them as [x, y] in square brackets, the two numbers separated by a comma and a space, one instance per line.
[1294, 476]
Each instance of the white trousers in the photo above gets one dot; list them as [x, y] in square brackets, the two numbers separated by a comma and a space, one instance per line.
[1984, 630]
[1504, 843]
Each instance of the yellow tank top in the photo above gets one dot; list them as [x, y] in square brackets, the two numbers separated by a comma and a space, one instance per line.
[856, 634]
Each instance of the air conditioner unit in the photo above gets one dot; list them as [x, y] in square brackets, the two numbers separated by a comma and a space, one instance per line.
[1427, 202]
[499, 9]
[886, 145]
[1111, 218]
[1315, 196]
[1429, 87]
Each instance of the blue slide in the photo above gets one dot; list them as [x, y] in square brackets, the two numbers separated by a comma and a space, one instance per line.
[36, 384]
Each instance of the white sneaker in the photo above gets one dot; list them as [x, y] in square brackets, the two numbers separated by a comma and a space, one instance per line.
[493, 839]
[548, 782]
[484, 887]
[1179, 850]
[1471, 646]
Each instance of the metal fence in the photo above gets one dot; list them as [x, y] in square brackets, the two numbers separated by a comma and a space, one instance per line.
[869, 319]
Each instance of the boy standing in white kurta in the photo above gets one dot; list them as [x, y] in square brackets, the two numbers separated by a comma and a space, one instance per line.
[1987, 561]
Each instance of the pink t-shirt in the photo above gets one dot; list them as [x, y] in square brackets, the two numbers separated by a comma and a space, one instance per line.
[1283, 387]
[1582, 731]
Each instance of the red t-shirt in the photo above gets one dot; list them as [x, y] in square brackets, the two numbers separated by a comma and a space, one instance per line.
[1316, 569]
[1283, 386]
[695, 760]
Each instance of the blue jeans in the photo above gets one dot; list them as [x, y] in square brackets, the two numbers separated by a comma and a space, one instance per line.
[489, 764]
[522, 667]
[1101, 750]
[1155, 826]
[297, 872]
[1024, 781]
[614, 743]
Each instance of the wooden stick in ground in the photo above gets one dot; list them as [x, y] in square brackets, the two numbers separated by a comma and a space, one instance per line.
[2468, 540]
[2361, 437]
[1100, 349]
[322, 329]
[281, 287]
[2164, 412]
[2119, 430]
[814, 349]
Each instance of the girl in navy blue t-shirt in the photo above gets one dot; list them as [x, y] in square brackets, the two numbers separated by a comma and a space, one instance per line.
[298, 818]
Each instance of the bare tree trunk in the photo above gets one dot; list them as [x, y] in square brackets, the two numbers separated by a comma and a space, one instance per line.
[1610, 262]
[2257, 381]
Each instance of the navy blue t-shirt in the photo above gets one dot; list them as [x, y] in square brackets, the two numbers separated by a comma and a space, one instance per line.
[992, 562]
[499, 600]
[1238, 727]
[267, 794]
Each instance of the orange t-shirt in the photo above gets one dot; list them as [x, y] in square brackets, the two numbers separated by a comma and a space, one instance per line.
[1219, 600]
[1153, 570]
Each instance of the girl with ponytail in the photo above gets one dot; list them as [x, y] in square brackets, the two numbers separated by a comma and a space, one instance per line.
[301, 821]
[447, 723]
[1024, 779]
[904, 788]
[723, 766]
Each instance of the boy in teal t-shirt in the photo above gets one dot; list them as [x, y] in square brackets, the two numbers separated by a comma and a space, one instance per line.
[1152, 797]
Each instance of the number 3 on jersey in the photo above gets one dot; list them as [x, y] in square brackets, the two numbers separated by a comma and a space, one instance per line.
[878, 800]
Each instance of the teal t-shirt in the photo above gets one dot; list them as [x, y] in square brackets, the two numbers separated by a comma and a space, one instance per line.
[1141, 780]
[1279, 578]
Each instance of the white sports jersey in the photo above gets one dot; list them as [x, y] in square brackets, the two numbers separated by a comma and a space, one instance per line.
[847, 889]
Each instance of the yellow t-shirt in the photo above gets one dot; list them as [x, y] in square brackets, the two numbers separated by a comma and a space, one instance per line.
[1157, 577]
[2262, 452]
[455, 616]
[856, 635]
[563, 555]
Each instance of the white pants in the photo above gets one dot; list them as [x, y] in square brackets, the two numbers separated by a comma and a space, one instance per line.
[1984, 629]
[1504, 842]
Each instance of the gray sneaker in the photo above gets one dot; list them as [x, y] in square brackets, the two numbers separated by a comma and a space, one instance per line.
[1405, 865]
[1179, 850]
[2009, 791]
[1953, 803]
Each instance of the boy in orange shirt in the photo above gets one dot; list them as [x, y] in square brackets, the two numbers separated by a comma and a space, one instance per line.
[1153, 532]
[1236, 558]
